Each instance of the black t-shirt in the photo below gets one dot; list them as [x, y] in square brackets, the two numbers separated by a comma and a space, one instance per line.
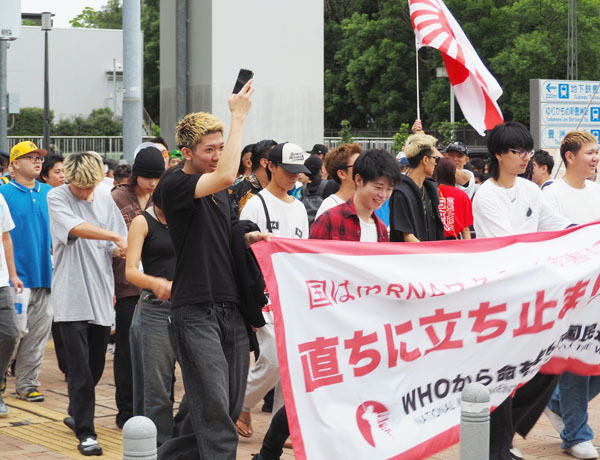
[201, 233]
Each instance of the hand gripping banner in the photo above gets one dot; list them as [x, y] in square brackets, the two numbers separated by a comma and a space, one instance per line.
[377, 340]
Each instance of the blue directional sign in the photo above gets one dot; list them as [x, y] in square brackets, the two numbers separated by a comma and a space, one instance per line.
[568, 90]
[560, 106]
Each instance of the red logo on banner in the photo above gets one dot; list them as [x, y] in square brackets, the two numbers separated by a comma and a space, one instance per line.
[372, 420]
[316, 293]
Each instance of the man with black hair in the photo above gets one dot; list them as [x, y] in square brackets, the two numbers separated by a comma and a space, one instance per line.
[542, 168]
[414, 214]
[317, 188]
[506, 205]
[375, 174]
[254, 182]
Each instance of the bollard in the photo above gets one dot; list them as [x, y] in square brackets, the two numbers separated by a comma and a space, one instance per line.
[475, 423]
[139, 439]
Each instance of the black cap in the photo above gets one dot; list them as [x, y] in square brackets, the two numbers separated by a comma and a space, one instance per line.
[457, 147]
[290, 157]
[149, 162]
[319, 149]
[314, 164]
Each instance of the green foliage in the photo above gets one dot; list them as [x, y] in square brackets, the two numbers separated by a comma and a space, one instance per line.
[155, 130]
[27, 22]
[29, 122]
[400, 138]
[370, 57]
[110, 16]
[346, 132]
[446, 131]
[99, 123]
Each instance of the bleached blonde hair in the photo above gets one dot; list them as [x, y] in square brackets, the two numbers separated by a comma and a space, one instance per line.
[416, 142]
[84, 169]
[191, 128]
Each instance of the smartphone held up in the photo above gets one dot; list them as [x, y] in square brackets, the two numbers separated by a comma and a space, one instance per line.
[242, 79]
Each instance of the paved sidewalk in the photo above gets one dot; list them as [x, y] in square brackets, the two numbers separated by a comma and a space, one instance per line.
[36, 431]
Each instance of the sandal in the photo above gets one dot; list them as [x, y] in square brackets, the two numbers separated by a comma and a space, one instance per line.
[244, 425]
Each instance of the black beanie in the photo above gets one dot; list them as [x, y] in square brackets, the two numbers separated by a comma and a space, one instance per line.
[149, 162]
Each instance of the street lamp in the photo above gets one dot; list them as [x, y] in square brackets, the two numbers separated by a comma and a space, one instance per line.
[441, 72]
[46, 27]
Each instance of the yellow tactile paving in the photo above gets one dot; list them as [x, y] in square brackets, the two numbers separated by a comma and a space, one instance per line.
[44, 427]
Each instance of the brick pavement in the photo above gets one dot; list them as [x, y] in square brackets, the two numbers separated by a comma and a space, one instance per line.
[36, 431]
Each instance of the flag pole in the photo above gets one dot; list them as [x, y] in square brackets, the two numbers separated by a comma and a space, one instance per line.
[418, 90]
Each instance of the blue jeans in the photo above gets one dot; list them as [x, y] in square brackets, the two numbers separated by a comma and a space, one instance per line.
[211, 345]
[153, 364]
[570, 401]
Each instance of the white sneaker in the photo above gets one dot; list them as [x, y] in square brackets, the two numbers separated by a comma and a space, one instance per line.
[583, 450]
[556, 420]
[3, 408]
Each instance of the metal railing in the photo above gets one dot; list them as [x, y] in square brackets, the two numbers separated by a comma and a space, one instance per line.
[107, 146]
[366, 143]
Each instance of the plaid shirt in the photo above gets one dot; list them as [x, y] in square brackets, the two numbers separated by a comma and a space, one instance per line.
[342, 223]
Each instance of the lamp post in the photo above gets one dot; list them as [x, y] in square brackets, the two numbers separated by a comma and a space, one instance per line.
[46, 27]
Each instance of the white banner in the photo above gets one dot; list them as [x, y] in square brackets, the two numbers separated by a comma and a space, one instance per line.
[377, 340]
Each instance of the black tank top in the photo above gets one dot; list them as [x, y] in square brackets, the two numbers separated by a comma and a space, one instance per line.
[158, 254]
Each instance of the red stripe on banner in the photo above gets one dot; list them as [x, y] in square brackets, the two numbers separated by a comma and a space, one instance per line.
[263, 255]
[289, 245]
[560, 365]
[432, 446]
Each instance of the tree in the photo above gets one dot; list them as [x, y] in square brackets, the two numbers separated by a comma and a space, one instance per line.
[99, 123]
[110, 16]
[29, 122]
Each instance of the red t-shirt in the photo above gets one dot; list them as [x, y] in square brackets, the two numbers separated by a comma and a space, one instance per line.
[456, 210]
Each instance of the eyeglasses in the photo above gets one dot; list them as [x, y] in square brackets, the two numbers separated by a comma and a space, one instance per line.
[346, 167]
[33, 159]
[436, 159]
[522, 152]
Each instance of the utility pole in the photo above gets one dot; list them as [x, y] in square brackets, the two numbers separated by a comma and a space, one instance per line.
[46, 27]
[572, 67]
[132, 78]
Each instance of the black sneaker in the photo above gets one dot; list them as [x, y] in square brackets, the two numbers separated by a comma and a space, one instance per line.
[89, 446]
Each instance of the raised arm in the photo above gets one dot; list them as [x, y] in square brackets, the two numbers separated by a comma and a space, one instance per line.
[229, 162]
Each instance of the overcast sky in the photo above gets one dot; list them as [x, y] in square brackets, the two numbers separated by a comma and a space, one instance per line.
[64, 10]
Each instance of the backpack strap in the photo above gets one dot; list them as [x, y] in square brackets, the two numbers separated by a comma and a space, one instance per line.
[269, 229]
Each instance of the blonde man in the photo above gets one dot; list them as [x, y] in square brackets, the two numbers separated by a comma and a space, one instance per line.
[206, 327]
[87, 231]
[414, 214]
[576, 198]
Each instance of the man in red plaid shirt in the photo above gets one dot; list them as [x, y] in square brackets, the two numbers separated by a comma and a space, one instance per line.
[375, 173]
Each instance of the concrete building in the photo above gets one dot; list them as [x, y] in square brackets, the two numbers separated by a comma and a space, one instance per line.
[280, 40]
[80, 69]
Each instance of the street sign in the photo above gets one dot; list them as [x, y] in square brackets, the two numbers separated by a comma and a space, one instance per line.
[560, 106]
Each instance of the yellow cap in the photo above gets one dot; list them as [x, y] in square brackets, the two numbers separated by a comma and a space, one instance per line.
[23, 148]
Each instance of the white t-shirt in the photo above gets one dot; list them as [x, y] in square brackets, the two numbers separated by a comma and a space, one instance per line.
[6, 224]
[469, 189]
[368, 232]
[288, 220]
[498, 211]
[330, 202]
[578, 205]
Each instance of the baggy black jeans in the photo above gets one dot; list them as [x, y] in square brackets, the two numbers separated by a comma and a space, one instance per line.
[210, 342]
[86, 344]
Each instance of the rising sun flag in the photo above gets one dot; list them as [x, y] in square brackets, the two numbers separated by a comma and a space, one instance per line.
[476, 89]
